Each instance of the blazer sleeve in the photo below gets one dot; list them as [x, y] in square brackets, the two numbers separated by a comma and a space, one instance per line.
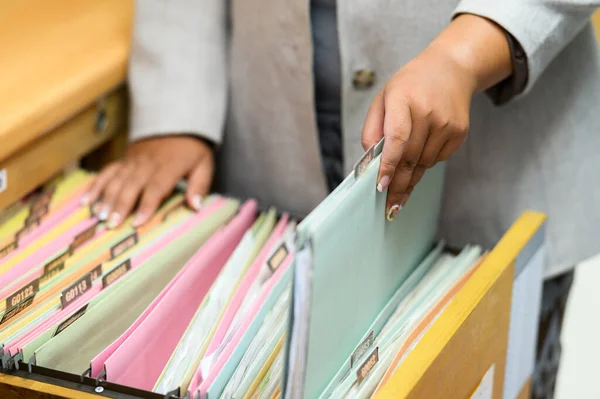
[542, 27]
[177, 69]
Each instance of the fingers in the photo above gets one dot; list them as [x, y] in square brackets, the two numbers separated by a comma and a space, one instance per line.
[435, 142]
[199, 184]
[148, 174]
[112, 190]
[129, 194]
[417, 175]
[400, 186]
[448, 149]
[397, 127]
[373, 128]
[428, 159]
[99, 184]
[155, 191]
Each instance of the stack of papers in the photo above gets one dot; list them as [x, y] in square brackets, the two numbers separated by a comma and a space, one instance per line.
[227, 302]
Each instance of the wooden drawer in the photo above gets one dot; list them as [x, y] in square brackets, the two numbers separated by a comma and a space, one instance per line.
[41, 159]
[59, 59]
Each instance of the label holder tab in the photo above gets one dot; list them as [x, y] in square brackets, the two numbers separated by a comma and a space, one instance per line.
[116, 273]
[76, 290]
[278, 257]
[367, 365]
[363, 348]
[70, 320]
[124, 245]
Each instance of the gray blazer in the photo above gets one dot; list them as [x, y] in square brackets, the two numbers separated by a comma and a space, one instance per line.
[240, 73]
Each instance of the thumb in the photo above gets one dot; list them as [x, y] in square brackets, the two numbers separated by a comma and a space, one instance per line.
[199, 182]
[373, 128]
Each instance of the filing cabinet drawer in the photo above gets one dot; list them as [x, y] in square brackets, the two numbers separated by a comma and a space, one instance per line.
[471, 336]
[466, 349]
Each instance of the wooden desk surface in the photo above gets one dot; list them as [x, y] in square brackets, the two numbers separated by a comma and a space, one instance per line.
[57, 58]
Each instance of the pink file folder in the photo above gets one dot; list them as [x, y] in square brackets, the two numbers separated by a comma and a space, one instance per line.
[136, 261]
[47, 225]
[44, 254]
[202, 382]
[141, 358]
[98, 362]
[240, 293]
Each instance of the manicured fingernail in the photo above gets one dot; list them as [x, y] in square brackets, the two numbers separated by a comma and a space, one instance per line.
[196, 202]
[114, 220]
[383, 183]
[103, 213]
[393, 211]
[85, 199]
[139, 219]
[96, 208]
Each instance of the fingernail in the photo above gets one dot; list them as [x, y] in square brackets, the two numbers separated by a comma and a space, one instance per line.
[393, 211]
[85, 199]
[383, 183]
[139, 219]
[196, 202]
[103, 213]
[96, 208]
[115, 220]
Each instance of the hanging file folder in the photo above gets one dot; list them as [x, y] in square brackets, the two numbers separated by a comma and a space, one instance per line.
[357, 262]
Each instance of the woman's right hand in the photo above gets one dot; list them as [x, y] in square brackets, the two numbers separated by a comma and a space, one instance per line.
[147, 174]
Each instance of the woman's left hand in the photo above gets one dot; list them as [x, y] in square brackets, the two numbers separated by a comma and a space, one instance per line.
[423, 110]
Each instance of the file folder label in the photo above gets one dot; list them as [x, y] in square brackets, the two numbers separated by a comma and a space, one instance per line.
[364, 161]
[22, 294]
[96, 272]
[116, 273]
[76, 290]
[10, 313]
[8, 249]
[83, 237]
[367, 366]
[56, 262]
[51, 273]
[277, 258]
[42, 200]
[362, 349]
[33, 220]
[123, 245]
[74, 317]
[38, 212]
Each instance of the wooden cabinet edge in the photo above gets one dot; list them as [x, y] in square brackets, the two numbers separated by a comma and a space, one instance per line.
[68, 142]
[491, 282]
[12, 386]
[525, 390]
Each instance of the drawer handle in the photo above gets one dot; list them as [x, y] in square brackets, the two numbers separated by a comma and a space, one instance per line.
[102, 121]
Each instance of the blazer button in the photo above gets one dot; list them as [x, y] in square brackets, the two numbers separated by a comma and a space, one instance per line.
[363, 79]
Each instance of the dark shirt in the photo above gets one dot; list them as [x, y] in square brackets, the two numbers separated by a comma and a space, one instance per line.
[327, 78]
